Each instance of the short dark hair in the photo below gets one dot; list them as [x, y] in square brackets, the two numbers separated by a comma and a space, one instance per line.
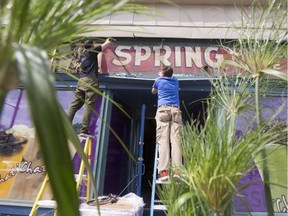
[88, 44]
[167, 71]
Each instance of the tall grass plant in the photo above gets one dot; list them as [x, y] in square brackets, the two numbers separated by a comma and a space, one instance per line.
[216, 157]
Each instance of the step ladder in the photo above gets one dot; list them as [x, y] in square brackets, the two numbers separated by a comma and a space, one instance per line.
[156, 205]
[79, 178]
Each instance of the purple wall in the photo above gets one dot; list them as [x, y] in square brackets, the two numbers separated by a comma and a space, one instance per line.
[117, 158]
[254, 195]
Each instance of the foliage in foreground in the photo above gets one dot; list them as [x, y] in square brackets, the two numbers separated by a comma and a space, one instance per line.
[29, 30]
[259, 50]
[215, 156]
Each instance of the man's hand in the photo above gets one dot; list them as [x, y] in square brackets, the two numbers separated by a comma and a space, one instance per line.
[111, 39]
[78, 64]
[154, 91]
[107, 42]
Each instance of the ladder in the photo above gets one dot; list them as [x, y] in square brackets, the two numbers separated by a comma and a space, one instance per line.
[79, 179]
[156, 205]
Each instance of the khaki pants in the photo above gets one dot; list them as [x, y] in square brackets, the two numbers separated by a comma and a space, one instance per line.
[169, 122]
[84, 94]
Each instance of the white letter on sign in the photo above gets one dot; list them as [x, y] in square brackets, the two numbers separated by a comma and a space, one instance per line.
[219, 57]
[157, 56]
[166, 55]
[177, 56]
[138, 54]
[162, 58]
[120, 54]
[194, 56]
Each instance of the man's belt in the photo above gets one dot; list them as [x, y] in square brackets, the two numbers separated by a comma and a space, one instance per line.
[168, 105]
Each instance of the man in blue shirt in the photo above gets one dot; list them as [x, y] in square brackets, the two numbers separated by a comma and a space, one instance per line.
[168, 121]
[88, 64]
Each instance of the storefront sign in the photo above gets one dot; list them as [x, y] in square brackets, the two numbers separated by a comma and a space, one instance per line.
[184, 59]
[147, 60]
[188, 59]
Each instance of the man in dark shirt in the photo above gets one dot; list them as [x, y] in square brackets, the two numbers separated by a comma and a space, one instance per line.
[88, 64]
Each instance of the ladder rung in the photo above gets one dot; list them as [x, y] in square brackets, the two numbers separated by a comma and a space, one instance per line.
[163, 182]
[47, 203]
[160, 207]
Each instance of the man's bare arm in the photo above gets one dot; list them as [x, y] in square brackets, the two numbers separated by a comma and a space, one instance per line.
[107, 42]
[154, 91]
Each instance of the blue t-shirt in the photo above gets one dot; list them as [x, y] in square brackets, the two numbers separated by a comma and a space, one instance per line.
[168, 91]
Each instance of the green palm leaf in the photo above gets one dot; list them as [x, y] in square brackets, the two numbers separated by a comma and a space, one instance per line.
[275, 73]
[33, 28]
[49, 124]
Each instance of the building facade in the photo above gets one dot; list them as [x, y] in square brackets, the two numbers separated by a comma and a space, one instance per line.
[186, 35]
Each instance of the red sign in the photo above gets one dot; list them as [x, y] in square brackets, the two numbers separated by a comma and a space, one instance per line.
[147, 60]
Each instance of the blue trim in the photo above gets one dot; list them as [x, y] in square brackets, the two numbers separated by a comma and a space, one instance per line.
[141, 143]
[18, 210]
[102, 143]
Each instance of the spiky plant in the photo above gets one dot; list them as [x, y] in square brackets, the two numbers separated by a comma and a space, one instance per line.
[215, 159]
[179, 198]
[259, 49]
[30, 30]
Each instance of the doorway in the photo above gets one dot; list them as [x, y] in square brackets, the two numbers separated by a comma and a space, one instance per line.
[133, 93]
[148, 157]
[195, 111]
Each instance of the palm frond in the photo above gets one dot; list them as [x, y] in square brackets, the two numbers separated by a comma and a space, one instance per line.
[50, 128]
[29, 30]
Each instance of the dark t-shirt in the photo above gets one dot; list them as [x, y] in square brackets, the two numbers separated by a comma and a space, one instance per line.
[89, 62]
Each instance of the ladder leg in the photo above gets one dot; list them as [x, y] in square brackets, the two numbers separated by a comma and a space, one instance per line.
[55, 212]
[81, 169]
[39, 196]
[88, 185]
[87, 151]
[154, 181]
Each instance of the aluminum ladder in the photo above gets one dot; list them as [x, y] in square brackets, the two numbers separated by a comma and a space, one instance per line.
[156, 204]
